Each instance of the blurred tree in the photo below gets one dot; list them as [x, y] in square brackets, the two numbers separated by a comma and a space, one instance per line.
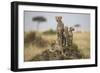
[38, 19]
[77, 27]
[50, 31]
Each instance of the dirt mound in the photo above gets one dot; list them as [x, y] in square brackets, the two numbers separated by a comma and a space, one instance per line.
[66, 53]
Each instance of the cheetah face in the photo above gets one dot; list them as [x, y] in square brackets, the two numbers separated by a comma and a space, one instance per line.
[58, 18]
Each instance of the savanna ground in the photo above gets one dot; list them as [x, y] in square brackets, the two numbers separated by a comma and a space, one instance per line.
[37, 43]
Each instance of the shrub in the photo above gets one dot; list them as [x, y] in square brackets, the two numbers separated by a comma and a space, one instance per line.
[51, 31]
[40, 42]
[29, 37]
[33, 38]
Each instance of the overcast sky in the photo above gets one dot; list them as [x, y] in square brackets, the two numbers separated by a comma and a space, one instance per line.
[69, 19]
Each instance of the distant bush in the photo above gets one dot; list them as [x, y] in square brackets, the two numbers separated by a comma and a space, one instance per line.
[29, 37]
[40, 42]
[51, 31]
[33, 38]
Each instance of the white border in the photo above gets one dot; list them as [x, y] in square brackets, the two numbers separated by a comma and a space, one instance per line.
[22, 64]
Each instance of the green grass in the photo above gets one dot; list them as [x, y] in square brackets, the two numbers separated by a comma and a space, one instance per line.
[50, 32]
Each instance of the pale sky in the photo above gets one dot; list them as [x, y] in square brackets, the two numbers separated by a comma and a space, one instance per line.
[69, 19]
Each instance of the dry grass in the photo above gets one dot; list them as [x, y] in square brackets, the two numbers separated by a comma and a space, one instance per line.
[49, 38]
[82, 39]
[32, 51]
